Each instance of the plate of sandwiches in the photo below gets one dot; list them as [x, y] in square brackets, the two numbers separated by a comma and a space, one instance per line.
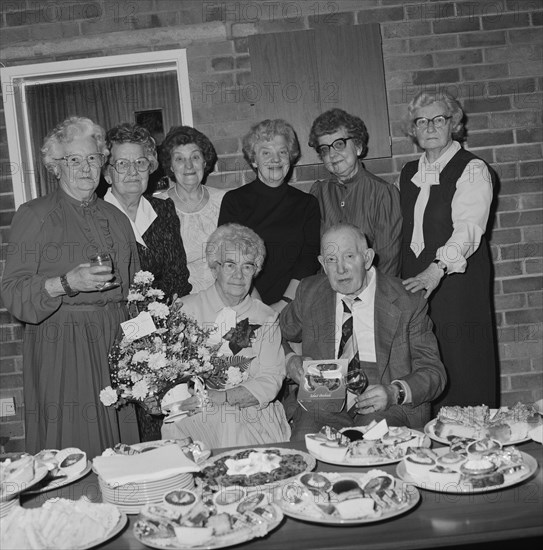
[466, 466]
[373, 445]
[63, 524]
[186, 519]
[509, 425]
[346, 499]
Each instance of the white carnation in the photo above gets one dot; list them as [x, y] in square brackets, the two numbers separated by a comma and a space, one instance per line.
[108, 396]
[140, 390]
[155, 292]
[157, 361]
[156, 309]
[144, 277]
[141, 356]
[135, 296]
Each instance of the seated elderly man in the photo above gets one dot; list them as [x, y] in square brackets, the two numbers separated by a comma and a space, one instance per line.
[390, 337]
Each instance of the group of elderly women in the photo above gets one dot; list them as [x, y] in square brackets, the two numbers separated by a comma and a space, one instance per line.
[242, 255]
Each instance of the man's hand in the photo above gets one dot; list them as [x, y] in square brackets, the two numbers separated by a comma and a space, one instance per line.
[376, 398]
[295, 370]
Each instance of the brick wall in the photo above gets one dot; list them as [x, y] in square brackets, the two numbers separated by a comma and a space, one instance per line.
[488, 53]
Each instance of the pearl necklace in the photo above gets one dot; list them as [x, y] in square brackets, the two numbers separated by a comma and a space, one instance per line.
[192, 206]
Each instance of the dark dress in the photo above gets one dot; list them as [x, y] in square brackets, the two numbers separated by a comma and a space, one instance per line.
[165, 258]
[461, 306]
[288, 220]
[67, 340]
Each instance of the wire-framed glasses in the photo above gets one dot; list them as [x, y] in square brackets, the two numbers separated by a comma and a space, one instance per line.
[94, 159]
[231, 267]
[123, 165]
[338, 145]
[438, 121]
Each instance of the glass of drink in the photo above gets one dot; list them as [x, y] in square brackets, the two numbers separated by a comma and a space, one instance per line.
[105, 259]
[356, 380]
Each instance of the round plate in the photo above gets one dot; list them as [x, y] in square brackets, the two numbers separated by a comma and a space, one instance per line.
[309, 461]
[429, 431]
[50, 483]
[222, 541]
[411, 494]
[426, 483]
[114, 531]
[368, 461]
[39, 473]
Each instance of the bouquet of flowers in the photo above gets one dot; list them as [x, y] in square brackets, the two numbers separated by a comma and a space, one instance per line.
[143, 370]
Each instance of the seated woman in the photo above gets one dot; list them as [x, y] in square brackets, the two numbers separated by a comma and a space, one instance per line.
[285, 217]
[187, 156]
[247, 413]
[154, 222]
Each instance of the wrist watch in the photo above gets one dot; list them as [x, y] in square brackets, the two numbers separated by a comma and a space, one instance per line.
[66, 286]
[401, 393]
[441, 265]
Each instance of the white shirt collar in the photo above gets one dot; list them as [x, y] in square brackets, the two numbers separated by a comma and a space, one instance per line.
[145, 215]
[428, 172]
[367, 294]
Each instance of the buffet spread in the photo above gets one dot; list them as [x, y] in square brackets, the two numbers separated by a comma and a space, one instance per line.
[181, 498]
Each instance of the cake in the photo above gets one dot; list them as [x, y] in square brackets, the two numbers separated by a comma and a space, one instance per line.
[483, 447]
[356, 508]
[419, 460]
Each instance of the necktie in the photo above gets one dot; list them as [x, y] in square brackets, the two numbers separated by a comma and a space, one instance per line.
[348, 348]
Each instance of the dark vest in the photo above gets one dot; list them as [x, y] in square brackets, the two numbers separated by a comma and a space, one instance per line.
[437, 223]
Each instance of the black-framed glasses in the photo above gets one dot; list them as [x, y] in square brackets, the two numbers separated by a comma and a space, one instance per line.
[438, 121]
[230, 267]
[123, 165]
[338, 145]
[95, 159]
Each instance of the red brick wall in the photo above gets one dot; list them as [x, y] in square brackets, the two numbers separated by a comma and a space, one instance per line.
[488, 53]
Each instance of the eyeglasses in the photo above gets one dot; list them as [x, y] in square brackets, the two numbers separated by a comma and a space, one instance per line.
[338, 145]
[96, 159]
[123, 165]
[230, 268]
[438, 121]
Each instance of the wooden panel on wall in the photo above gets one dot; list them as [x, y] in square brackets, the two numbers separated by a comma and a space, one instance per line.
[284, 71]
[316, 70]
[350, 63]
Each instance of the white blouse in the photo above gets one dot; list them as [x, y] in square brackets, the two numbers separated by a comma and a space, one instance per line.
[470, 207]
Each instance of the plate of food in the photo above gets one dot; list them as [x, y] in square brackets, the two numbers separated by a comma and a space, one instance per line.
[18, 475]
[63, 524]
[255, 469]
[466, 467]
[509, 425]
[374, 445]
[184, 520]
[346, 499]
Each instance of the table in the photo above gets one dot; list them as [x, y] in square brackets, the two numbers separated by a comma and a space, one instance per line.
[514, 515]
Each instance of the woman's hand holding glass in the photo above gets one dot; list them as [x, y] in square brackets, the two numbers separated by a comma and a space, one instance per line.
[104, 260]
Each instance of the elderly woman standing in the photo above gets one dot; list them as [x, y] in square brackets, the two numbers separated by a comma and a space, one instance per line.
[188, 156]
[49, 284]
[286, 218]
[352, 194]
[154, 222]
[446, 197]
[246, 414]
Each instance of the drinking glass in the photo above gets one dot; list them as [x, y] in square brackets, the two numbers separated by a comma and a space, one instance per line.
[105, 259]
[356, 380]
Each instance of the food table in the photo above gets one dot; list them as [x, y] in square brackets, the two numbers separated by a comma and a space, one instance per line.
[439, 520]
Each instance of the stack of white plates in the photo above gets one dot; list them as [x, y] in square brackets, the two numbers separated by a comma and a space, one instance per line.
[7, 505]
[131, 497]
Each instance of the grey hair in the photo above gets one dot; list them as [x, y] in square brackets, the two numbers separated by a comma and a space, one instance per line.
[454, 109]
[241, 239]
[266, 131]
[65, 132]
[360, 235]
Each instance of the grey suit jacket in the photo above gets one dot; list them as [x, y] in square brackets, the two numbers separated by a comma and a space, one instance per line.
[405, 345]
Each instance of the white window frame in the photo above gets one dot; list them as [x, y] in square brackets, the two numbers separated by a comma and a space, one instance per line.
[15, 81]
